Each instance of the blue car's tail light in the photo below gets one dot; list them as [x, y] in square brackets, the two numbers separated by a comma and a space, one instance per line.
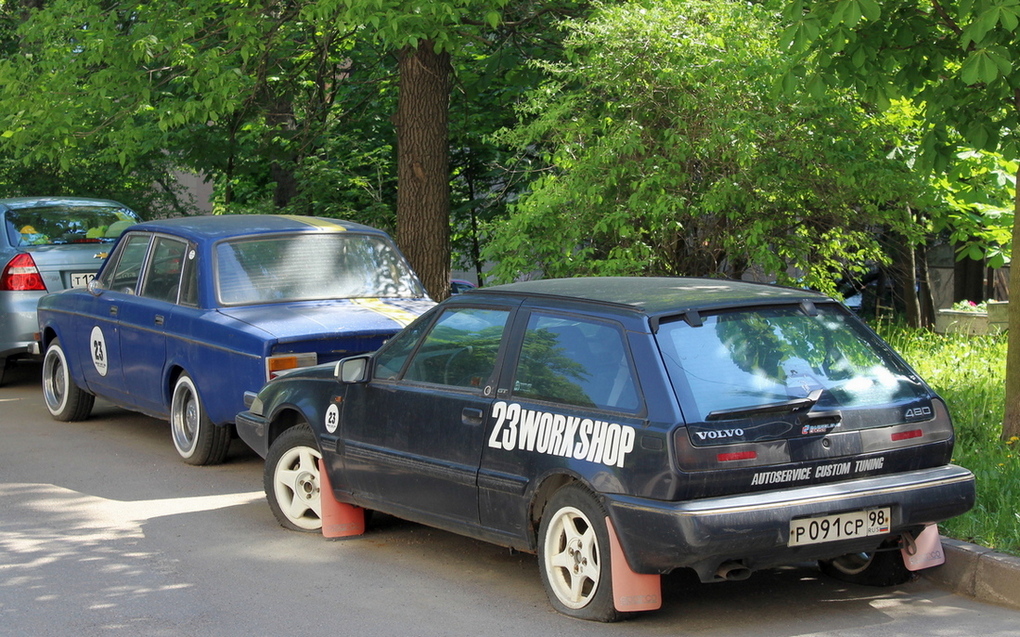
[276, 365]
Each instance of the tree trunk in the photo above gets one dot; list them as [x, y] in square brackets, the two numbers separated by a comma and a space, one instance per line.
[926, 302]
[281, 120]
[1011, 416]
[423, 180]
[905, 266]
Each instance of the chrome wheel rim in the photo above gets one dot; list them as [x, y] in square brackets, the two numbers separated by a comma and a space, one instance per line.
[185, 417]
[55, 380]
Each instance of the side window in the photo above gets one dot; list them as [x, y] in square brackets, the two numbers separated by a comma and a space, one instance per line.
[577, 362]
[163, 276]
[130, 257]
[461, 348]
[189, 279]
[391, 357]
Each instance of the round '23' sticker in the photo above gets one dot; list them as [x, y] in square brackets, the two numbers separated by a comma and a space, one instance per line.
[332, 418]
[97, 347]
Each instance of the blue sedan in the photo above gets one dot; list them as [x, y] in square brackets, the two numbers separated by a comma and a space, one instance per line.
[188, 314]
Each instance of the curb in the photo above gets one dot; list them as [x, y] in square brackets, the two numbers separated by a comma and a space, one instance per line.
[978, 572]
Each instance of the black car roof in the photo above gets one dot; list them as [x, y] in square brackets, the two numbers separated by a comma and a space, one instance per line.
[658, 296]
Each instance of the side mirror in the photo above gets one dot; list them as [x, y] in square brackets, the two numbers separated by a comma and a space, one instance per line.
[93, 287]
[352, 370]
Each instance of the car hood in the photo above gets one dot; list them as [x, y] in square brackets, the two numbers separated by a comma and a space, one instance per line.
[351, 317]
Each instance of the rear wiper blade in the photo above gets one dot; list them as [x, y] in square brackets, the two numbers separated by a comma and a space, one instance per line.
[795, 404]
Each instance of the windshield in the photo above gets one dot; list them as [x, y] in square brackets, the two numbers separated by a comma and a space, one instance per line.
[312, 266]
[776, 359]
[63, 224]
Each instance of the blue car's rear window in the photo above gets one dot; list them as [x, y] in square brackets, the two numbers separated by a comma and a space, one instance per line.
[311, 266]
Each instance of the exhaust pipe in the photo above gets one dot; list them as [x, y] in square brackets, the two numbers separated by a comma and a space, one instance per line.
[733, 572]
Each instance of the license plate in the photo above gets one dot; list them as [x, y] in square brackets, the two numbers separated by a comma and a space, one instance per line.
[81, 279]
[833, 528]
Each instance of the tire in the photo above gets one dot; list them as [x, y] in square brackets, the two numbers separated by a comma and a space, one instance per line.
[573, 556]
[197, 440]
[882, 567]
[64, 399]
[291, 480]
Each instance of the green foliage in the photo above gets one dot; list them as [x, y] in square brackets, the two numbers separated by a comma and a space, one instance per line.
[978, 189]
[659, 150]
[406, 23]
[77, 84]
[968, 372]
[491, 77]
[954, 57]
[285, 106]
[239, 91]
[150, 190]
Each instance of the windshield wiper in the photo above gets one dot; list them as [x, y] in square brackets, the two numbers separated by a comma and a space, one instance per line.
[795, 404]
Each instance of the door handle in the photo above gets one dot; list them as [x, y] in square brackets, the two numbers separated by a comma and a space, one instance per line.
[159, 320]
[113, 310]
[471, 416]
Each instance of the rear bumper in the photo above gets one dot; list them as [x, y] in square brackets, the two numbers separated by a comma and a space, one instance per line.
[18, 322]
[754, 529]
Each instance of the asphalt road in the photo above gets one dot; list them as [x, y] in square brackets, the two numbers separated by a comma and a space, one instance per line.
[104, 531]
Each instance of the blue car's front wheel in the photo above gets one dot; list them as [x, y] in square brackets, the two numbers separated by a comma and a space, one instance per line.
[197, 439]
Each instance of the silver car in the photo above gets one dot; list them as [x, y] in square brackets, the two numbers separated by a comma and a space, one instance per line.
[49, 244]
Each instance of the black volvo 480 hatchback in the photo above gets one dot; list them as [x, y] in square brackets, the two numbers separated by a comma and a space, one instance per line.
[622, 428]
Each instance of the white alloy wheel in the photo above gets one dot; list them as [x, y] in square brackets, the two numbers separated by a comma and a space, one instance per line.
[572, 557]
[292, 480]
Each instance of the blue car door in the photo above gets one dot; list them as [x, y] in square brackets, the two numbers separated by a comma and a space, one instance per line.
[97, 329]
[413, 438]
[143, 320]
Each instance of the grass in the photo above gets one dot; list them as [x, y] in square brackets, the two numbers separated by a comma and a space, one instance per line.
[969, 372]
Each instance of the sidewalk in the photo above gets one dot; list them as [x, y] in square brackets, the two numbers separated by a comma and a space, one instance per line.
[978, 572]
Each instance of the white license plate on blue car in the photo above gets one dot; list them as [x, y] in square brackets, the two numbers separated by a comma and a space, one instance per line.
[845, 526]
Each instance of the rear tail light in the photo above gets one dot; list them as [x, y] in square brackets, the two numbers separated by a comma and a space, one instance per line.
[21, 275]
[728, 456]
[275, 365]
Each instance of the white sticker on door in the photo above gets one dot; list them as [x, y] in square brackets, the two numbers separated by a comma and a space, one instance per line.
[332, 418]
[97, 344]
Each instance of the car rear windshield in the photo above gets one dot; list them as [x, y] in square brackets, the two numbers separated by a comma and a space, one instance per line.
[64, 224]
[765, 359]
[312, 266]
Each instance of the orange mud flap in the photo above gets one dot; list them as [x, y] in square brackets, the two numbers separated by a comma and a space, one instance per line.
[632, 592]
[339, 519]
